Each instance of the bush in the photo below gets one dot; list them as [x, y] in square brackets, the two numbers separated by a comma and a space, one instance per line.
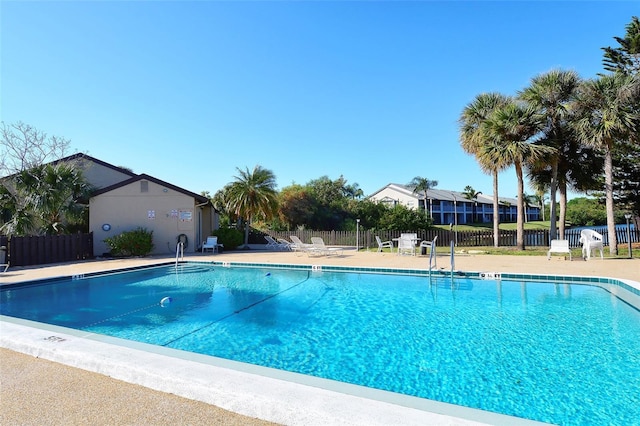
[138, 242]
[230, 238]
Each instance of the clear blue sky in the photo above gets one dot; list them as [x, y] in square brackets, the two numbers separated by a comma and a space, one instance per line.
[371, 90]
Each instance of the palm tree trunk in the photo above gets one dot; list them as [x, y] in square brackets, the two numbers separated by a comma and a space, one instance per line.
[496, 211]
[553, 216]
[520, 207]
[562, 189]
[608, 188]
[246, 233]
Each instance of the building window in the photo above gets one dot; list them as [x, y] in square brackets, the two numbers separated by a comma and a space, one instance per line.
[144, 186]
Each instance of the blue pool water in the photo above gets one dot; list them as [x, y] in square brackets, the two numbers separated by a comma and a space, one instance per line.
[558, 353]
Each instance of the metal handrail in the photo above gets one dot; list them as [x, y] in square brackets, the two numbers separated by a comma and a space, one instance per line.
[179, 252]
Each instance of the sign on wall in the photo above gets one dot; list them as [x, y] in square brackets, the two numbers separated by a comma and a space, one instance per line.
[185, 215]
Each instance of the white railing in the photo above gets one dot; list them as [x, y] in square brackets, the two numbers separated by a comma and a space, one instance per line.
[179, 252]
[453, 258]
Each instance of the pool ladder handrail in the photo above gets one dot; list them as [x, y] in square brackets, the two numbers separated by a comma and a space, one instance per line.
[453, 257]
[179, 252]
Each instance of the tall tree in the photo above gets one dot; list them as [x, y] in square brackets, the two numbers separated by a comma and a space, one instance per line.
[511, 128]
[473, 138]
[625, 58]
[251, 194]
[607, 114]
[420, 185]
[23, 147]
[551, 94]
[471, 195]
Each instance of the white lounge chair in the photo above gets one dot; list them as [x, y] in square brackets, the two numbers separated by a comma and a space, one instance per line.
[431, 247]
[559, 246]
[299, 246]
[590, 240]
[318, 244]
[284, 244]
[383, 244]
[3, 258]
[272, 244]
[211, 243]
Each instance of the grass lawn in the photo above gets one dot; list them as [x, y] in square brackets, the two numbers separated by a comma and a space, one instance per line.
[506, 226]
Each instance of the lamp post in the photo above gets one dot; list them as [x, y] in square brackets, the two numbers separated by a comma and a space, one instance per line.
[455, 216]
[628, 217]
[357, 234]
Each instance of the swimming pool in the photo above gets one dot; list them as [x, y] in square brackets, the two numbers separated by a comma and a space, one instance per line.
[565, 353]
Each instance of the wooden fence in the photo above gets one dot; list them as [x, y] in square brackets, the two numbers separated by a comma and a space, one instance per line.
[532, 238]
[39, 250]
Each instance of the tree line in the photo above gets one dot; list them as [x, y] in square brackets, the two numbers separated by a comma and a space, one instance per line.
[566, 132]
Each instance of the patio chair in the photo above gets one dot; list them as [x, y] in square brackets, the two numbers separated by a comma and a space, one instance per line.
[272, 244]
[590, 240]
[430, 246]
[4, 265]
[559, 246]
[211, 243]
[383, 244]
[406, 245]
[299, 246]
[318, 244]
[284, 244]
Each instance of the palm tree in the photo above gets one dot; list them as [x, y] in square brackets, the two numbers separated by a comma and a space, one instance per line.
[45, 199]
[606, 115]
[511, 127]
[252, 193]
[471, 194]
[421, 185]
[551, 95]
[473, 137]
[539, 198]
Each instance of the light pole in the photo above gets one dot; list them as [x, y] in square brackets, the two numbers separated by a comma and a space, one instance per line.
[455, 216]
[628, 217]
[357, 234]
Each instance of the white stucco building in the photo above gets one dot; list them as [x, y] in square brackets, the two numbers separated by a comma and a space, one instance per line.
[451, 207]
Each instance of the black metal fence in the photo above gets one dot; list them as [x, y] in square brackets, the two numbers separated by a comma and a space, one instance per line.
[39, 250]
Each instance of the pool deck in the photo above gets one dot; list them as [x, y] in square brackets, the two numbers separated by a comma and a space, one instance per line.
[90, 382]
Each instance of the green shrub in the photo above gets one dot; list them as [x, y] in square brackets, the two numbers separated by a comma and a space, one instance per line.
[230, 238]
[138, 242]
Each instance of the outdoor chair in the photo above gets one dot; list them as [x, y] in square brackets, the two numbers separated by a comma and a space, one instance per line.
[273, 244]
[284, 244]
[590, 240]
[384, 244]
[4, 265]
[299, 246]
[320, 247]
[430, 246]
[559, 246]
[211, 243]
[406, 245]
